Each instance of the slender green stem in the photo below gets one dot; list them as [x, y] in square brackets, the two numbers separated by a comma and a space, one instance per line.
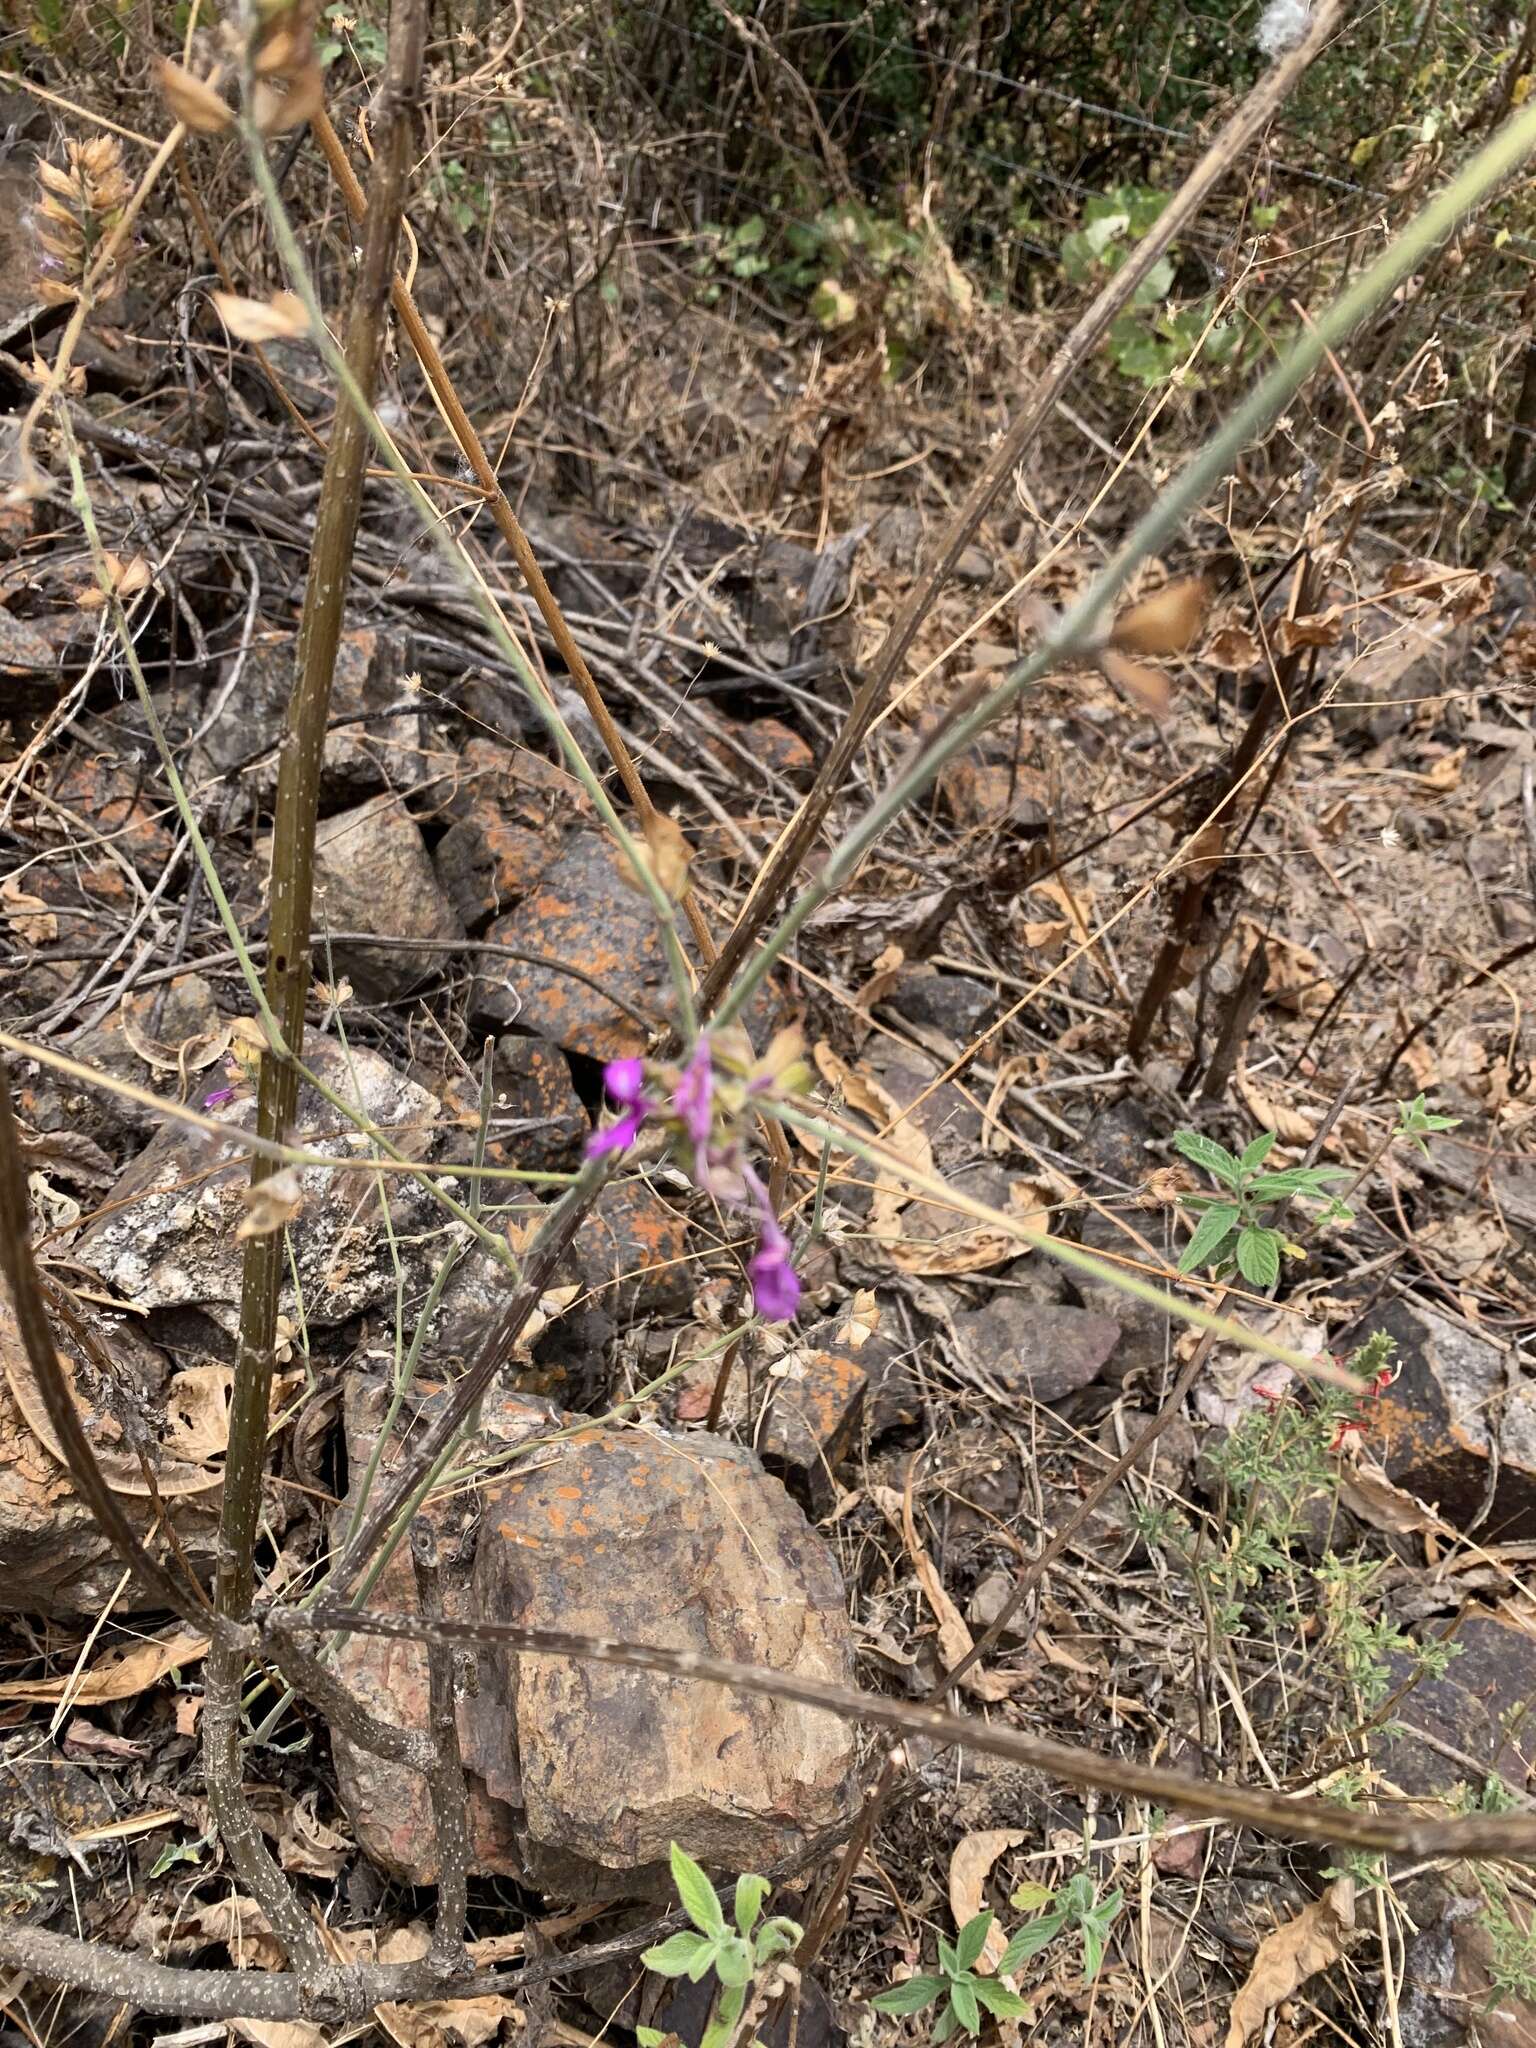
[1074, 632]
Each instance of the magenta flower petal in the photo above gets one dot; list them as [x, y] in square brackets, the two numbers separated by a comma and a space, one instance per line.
[217, 1097]
[775, 1283]
[617, 1137]
[624, 1080]
[693, 1097]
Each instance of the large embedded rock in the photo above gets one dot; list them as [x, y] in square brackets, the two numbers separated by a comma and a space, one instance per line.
[1038, 1349]
[583, 1773]
[166, 1239]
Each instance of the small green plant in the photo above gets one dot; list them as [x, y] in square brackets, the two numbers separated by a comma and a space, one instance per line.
[957, 1990]
[1231, 1235]
[743, 1959]
[1153, 337]
[1075, 1905]
[1415, 1122]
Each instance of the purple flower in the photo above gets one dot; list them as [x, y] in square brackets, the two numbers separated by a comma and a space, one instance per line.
[775, 1283]
[625, 1083]
[693, 1096]
[217, 1097]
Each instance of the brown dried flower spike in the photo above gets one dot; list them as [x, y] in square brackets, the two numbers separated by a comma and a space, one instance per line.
[289, 86]
[76, 212]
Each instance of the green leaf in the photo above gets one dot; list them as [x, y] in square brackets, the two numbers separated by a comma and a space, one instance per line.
[696, 1893]
[652, 2037]
[1295, 1180]
[1203, 1151]
[997, 1998]
[1030, 1897]
[909, 1997]
[1029, 1941]
[1093, 1948]
[973, 1938]
[1156, 285]
[1211, 1233]
[949, 1961]
[1255, 1153]
[677, 1956]
[733, 1960]
[730, 2004]
[778, 1935]
[944, 2025]
[1258, 1256]
[751, 1891]
[962, 2000]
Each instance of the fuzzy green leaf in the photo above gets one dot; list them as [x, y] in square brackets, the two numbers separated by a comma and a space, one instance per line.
[909, 1997]
[997, 1998]
[1258, 1256]
[733, 1961]
[696, 1893]
[751, 1891]
[1029, 1941]
[1256, 1152]
[1211, 1233]
[676, 1956]
[962, 2000]
[1205, 1152]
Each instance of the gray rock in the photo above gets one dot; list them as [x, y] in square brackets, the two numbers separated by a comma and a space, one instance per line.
[373, 874]
[167, 1237]
[1034, 1349]
[950, 1003]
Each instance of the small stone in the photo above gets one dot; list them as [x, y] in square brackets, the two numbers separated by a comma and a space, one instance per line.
[582, 1774]
[988, 1602]
[167, 1238]
[780, 750]
[810, 1418]
[373, 738]
[1476, 1710]
[537, 1118]
[949, 1003]
[583, 911]
[1168, 1461]
[1146, 1332]
[373, 874]
[986, 794]
[952, 1124]
[1435, 1424]
[486, 864]
[974, 566]
[1035, 1349]
[635, 1538]
[631, 1253]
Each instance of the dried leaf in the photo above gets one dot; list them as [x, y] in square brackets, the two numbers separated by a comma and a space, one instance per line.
[1313, 1941]
[1145, 686]
[1234, 648]
[955, 1639]
[270, 1204]
[666, 855]
[190, 1057]
[243, 1928]
[1368, 1493]
[119, 1675]
[274, 112]
[437, 2022]
[1313, 629]
[192, 101]
[972, 1250]
[1164, 623]
[28, 916]
[1288, 1125]
[197, 1405]
[278, 2033]
[969, 1869]
[280, 318]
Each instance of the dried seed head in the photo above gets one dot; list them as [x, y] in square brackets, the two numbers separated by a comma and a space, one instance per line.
[289, 86]
[81, 203]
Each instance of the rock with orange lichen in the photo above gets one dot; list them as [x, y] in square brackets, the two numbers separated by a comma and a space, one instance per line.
[581, 912]
[688, 1545]
[581, 1774]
